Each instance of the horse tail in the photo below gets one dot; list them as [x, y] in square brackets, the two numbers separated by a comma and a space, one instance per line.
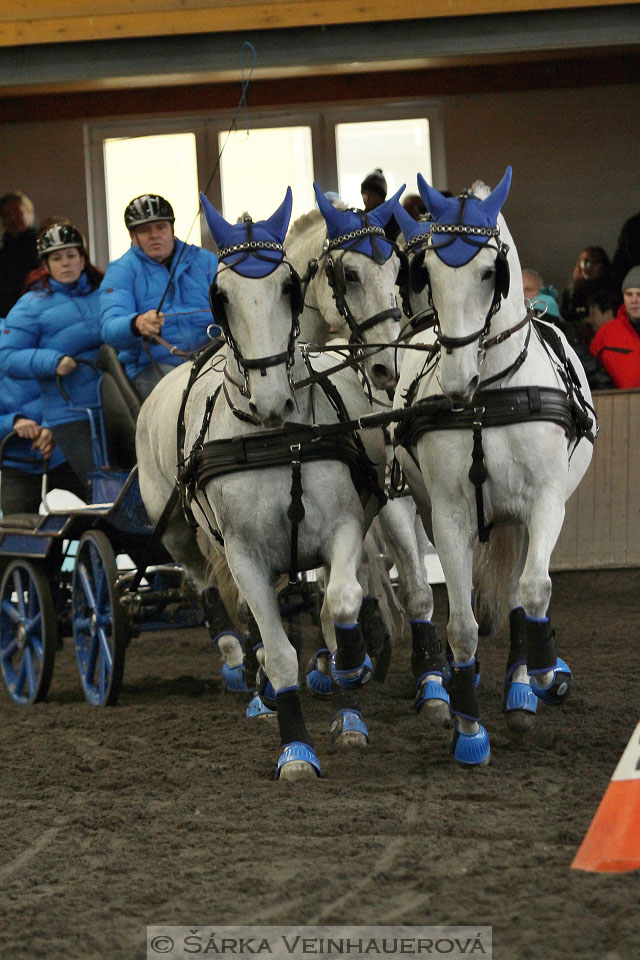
[493, 567]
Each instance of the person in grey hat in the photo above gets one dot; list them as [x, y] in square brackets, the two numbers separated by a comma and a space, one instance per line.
[617, 343]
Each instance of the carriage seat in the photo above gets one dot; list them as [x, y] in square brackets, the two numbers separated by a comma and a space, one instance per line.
[120, 408]
[20, 521]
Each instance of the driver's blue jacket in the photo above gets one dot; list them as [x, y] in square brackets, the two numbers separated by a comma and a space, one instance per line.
[21, 398]
[135, 283]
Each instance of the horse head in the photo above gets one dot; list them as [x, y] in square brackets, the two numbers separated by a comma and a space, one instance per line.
[360, 268]
[459, 258]
[255, 297]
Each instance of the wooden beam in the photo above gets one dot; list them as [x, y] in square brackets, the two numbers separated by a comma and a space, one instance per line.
[25, 22]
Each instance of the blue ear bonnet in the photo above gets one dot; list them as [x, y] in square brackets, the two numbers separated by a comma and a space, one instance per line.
[265, 239]
[448, 213]
[344, 223]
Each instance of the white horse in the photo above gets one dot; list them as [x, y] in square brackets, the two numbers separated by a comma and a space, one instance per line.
[351, 297]
[501, 430]
[281, 497]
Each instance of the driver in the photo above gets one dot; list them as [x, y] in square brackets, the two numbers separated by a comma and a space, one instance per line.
[157, 269]
[48, 332]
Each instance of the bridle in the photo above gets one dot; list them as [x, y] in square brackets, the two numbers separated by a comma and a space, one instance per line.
[333, 255]
[218, 300]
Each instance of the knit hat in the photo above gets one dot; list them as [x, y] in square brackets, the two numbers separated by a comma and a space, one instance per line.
[375, 181]
[632, 279]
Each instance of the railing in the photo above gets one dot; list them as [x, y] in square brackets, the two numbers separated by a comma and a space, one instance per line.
[602, 523]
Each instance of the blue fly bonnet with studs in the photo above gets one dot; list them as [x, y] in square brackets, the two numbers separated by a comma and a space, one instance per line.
[459, 226]
[356, 230]
[251, 249]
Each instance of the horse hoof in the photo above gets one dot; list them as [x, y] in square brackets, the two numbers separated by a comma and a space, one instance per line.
[297, 762]
[471, 749]
[520, 705]
[257, 710]
[319, 682]
[355, 677]
[432, 700]
[233, 678]
[559, 688]
[348, 729]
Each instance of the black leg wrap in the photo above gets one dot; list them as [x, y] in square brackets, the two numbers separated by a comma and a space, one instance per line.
[351, 647]
[518, 636]
[462, 692]
[541, 646]
[251, 664]
[290, 720]
[373, 628]
[218, 620]
[426, 656]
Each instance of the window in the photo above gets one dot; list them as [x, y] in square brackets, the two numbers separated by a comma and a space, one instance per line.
[164, 164]
[258, 165]
[400, 148]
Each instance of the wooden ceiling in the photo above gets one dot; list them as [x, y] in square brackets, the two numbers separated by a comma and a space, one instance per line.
[27, 22]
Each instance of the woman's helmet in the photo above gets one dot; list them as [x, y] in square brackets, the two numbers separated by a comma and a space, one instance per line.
[60, 236]
[147, 208]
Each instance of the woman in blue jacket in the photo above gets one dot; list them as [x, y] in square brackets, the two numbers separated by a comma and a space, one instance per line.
[49, 329]
[24, 456]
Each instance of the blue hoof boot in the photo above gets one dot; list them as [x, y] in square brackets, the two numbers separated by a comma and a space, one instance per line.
[257, 710]
[471, 749]
[297, 751]
[348, 726]
[559, 688]
[356, 677]
[233, 678]
[318, 682]
[429, 690]
[519, 696]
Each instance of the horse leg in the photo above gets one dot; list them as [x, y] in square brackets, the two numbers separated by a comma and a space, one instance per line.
[519, 701]
[350, 664]
[298, 758]
[551, 678]
[399, 526]
[455, 550]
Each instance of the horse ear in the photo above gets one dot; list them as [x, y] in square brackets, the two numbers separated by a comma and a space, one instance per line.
[381, 214]
[334, 218]
[436, 204]
[217, 224]
[410, 227]
[497, 197]
[278, 222]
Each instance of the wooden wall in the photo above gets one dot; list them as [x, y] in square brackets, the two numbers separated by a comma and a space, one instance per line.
[44, 21]
[602, 524]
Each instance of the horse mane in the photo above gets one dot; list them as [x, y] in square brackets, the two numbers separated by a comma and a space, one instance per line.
[480, 190]
[310, 221]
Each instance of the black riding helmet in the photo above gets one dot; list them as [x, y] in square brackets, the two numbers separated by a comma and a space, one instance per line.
[146, 209]
[60, 236]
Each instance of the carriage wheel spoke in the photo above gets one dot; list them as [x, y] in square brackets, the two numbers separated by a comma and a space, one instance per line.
[87, 586]
[20, 678]
[10, 610]
[30, 671]
[9, 650]
[34, 624]
[99, 577]
[91, 659]
[17, 586]
[106, 648]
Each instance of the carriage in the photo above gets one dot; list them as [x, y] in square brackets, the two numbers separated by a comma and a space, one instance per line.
[97, 573]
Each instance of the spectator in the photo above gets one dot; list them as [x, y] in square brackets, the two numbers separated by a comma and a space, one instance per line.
[602, 304]
[18, 254]
[617, 343]
[592, 270]
[24, 455]
[373, 190]
[48, 331]
[40, 272]
[414, 205]
[627, 252]
[157, 268]
[544, 303]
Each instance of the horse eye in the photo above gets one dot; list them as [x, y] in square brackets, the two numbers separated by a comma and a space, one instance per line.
[488, 274]
[351, 276]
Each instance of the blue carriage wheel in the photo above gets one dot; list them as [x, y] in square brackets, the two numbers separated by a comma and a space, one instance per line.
[28, 631]
[99, 621]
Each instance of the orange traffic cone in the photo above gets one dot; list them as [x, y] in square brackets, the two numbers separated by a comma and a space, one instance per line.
[612, 842]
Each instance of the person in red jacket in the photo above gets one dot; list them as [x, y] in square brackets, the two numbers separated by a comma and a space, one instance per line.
[617, 343]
